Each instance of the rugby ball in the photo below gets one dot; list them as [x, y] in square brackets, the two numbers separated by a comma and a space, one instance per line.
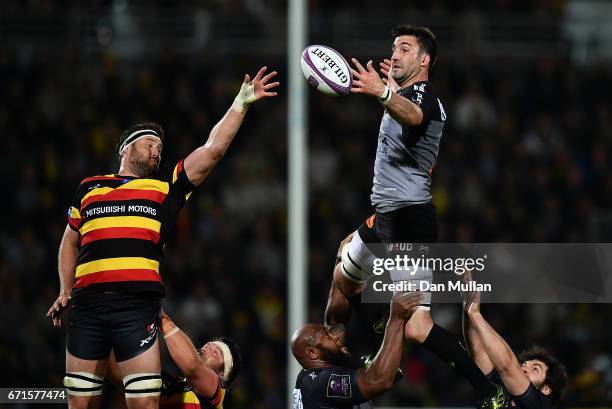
[326, 70]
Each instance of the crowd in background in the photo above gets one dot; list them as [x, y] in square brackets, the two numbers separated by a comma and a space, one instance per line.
[525, 157]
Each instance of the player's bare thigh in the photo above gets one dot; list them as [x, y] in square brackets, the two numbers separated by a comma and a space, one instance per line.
[146, 363]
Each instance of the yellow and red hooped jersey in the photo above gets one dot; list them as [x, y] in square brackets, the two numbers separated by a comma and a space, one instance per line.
[123, 223]
[178, 394]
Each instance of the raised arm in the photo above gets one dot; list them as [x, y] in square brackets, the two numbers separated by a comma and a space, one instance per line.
[501, 356]
[184, 354]
[471, 301]
[497, 350]
[67, 261]
[201, 161]
[380, 375]
[367, 81]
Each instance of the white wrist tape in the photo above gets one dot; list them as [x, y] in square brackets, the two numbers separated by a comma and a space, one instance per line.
[245, 97]
[172, 332]
[386, 96]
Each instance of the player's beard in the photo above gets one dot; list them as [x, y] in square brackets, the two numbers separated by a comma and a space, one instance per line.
[404, 73]
[143, 166]
[336, 357]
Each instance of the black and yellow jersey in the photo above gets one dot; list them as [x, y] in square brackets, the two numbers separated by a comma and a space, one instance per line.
[178, 394]
[123, 223]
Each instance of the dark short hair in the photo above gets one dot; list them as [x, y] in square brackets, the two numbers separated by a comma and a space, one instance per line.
[556, 375]
[236, 358]
[426, 39]
[138, 127]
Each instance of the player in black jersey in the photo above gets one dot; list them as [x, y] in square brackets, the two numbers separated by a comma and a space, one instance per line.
[110, 254]
[408, 145]
[533, 381]
[345, 299]
[208, 372]
[327, 380]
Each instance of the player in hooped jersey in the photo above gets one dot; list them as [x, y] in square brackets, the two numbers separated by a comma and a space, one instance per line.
[110, 253]
[208, 372]
[408, 144]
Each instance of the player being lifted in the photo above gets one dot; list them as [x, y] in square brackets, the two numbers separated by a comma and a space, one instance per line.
[408, 144]
[111, 250]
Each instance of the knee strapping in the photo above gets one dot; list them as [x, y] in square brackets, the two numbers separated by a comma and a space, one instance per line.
[142, 384]
[83, 384]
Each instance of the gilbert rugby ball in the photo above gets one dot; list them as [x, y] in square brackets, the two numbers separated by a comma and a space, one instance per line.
[326, 70]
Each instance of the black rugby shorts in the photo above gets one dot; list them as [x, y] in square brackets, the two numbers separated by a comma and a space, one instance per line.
[410, 224]
[121, 322]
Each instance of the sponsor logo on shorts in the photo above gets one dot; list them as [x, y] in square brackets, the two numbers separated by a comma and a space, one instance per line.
[152, 330]
[151, 327]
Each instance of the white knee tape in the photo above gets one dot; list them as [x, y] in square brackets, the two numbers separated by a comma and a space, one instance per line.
[142, 384]
[357, 260]
[83, 384]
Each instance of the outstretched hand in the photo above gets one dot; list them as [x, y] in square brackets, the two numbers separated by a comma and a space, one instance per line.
[366, 80]
[385, 70]
[256, 89]
[260, 83]
[471, 299]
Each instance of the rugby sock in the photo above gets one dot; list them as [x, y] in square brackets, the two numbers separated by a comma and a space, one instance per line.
[446, 347]
[372, 318]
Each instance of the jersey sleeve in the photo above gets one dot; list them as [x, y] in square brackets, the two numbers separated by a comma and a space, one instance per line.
[220, 399]
[180, 186]
[74, 213]
[338, 386]
[494, 377]
[532, 399]
[424, 99]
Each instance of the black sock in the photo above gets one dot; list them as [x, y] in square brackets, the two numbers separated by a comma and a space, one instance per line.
[372, 319]
[446, 347]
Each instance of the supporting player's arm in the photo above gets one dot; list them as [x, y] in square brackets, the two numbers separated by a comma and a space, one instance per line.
[201, 161]
[472, 338]
[498, 351]
[67, 261]
[367, 81]
[184, 354]
[381, 373]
